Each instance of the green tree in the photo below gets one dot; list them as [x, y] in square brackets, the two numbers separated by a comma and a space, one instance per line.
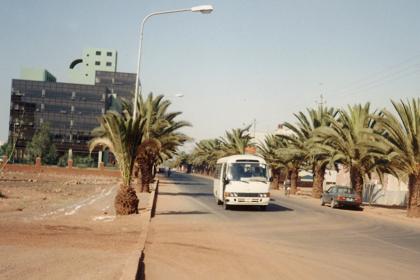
[293, 154]
[318, 157]
[350, 140]
[205, 155]
[402, 133]
[42, 146]
[267, 150]
[236, 141]
[161, 135]
[122, 135]
[5, 149]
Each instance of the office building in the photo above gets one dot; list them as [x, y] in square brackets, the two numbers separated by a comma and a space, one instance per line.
[72, 110]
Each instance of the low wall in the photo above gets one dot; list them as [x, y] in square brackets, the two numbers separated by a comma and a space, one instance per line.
[29, 168]
[376, 194]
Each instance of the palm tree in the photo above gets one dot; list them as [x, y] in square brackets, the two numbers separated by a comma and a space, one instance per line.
[292, 154]
[268, 151]
[402, 133]
[122, 135]
[205, 155]
[236, 141]
[350, 141]
[161, 136]
[318, 156]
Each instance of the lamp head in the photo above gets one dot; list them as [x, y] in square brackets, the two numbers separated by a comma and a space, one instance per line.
[204, 9]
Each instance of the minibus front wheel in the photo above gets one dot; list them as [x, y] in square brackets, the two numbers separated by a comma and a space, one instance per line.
[226, 206]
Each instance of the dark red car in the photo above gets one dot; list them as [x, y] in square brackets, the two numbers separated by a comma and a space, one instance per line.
[339, 196]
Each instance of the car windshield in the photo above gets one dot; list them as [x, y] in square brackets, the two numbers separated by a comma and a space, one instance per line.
[345, 191]
[247, 171]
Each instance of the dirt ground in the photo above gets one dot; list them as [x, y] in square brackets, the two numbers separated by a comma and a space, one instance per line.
[63, 227]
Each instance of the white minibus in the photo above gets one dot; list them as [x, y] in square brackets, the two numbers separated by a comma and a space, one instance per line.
[242, 180]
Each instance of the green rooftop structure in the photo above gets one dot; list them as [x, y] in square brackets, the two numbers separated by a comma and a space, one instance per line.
[36, 74]
[82, 70]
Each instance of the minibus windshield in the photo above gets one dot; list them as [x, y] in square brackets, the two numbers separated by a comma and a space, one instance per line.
[245, 171]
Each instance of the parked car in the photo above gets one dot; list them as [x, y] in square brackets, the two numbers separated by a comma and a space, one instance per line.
[339, 196]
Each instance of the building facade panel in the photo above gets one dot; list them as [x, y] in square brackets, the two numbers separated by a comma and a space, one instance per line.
[71, 110]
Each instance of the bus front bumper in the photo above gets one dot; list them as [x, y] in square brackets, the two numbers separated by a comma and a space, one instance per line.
[247, 200]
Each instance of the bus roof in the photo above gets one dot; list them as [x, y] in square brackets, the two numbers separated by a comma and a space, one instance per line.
[241, 158]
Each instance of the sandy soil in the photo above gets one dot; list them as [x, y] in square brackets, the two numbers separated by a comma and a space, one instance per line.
[62, 227]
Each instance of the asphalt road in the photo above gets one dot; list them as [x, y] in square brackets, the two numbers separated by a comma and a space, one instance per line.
[295, 238]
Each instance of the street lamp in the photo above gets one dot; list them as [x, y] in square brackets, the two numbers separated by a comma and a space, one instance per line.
[204, 9]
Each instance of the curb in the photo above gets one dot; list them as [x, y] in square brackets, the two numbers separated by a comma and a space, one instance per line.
[134, 266]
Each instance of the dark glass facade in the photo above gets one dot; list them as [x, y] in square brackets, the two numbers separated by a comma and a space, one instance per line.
[71, 110]
[117, 84]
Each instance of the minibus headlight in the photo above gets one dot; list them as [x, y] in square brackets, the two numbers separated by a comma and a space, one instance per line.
[264, 194]
[227, 194]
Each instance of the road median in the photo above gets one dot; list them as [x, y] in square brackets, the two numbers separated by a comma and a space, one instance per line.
[134, 266]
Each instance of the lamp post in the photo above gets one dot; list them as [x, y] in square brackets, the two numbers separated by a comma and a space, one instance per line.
[204, 9]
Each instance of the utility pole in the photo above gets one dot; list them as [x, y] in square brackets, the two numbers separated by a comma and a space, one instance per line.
[255, 126]
[321, 101]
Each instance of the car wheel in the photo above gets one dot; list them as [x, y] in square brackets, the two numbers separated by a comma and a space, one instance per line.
[263, 207]
[219, 202]
[332, 203]
[322, 202]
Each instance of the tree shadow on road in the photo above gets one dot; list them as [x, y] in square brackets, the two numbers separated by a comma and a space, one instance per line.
[186, 193]
[272, 207]
[186, 183]
[141, 268]
[183, 213]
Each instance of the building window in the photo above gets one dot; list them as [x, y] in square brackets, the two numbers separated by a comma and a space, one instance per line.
[42, 106]
[41, 120]
[73, 94]
[97, 63]
[71, 122]
[103, 110]
[86, 75]
[109, 64]
[43, 93]
[72, 108]
[109, 54]
[98, 52]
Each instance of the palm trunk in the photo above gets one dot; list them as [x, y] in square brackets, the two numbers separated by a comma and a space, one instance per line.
[317, 186]
[275, 184]
[413, 205]
[126, 201]
[146, 174]
[294, 175]
[356, 179]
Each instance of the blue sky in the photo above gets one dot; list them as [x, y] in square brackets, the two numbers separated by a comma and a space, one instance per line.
[248, 59]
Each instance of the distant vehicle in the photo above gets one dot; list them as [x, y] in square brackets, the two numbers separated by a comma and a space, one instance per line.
[241, 180]
[339, 196]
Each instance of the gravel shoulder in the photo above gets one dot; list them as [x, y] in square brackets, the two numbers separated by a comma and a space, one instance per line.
[62, 227]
